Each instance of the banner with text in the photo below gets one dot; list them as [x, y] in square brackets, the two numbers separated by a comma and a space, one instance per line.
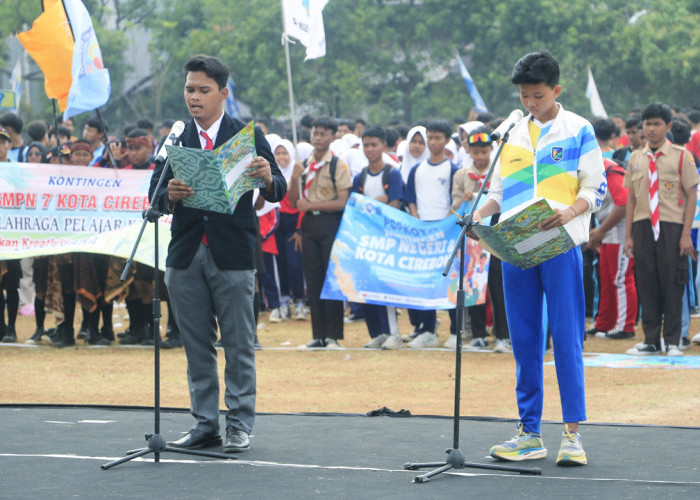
[53, 209]
[382, 255]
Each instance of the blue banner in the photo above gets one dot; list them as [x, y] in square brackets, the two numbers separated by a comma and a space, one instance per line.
[382, 255]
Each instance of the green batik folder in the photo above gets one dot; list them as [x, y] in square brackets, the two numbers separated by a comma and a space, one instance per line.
[217, 176]
[518, 240]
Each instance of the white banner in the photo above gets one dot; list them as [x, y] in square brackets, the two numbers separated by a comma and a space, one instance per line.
[53, 209]
[303, 20]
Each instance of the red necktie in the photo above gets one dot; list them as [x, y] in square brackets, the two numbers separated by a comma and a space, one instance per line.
[209, 145]
[654, 193]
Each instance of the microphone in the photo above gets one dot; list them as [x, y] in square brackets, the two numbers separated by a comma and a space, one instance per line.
[175, 133]
[514, 117]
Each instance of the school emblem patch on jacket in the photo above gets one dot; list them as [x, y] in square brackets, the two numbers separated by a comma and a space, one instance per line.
[557, 153]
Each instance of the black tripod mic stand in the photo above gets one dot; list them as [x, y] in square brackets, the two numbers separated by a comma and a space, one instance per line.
[156, 443]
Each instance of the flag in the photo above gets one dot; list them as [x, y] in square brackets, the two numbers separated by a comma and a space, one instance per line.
[50, 43]
[303, 20]
[597, 108]
[16, 83]
[63, 43]
[231, 104]
[471, 87]
[90, 86]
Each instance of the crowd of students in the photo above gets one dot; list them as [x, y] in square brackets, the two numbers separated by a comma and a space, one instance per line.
[429, 170]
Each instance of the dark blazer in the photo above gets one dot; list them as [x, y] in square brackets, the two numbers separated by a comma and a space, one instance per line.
[231, 237]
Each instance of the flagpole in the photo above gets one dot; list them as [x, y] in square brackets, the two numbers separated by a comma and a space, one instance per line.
[55, 130]
[105, 139]
[289, 80]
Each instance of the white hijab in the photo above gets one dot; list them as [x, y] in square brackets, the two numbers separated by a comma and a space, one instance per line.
[464, 158]
[289, 169]
[409, 161]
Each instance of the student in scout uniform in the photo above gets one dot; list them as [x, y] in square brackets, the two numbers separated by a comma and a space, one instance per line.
[552, 153]
[325, 187]
[662, 181]
[465, 186]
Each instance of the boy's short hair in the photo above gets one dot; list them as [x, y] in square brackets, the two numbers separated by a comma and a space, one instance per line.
[62, 131]
[694, 116]
[36, 130]
[325, 122]
[392, 137]
[633, 121]
[657, 110]
[11, 120]
[484, 117]
[680, 129]
[442, 126]
[374, 131]
[361, 122]
[307, 121]
[604, 128]
[536, 67]
[350, 125]
[95, 123]
[480, 137]
[213, 67]
[144, 123]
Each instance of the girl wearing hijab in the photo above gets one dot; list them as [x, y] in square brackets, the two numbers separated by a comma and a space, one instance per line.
[36, 153]
[291, 273]
[417, 150]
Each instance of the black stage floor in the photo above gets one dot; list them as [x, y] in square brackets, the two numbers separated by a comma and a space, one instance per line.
[56, 452]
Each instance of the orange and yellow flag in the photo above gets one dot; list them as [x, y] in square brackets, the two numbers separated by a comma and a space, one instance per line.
[50, 43]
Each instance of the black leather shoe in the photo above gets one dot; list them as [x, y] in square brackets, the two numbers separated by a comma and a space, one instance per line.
[135, 335]
[64, 336]
[195, 440]
[10, 335]
[236, 440]
[94, 338]
[36, 336]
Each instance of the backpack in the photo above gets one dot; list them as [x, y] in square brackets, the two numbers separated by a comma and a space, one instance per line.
[385, 178]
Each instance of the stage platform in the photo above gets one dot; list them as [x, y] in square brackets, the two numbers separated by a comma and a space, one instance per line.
[56, 452]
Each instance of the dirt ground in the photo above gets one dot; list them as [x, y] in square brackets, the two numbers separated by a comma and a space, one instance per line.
[354, 381]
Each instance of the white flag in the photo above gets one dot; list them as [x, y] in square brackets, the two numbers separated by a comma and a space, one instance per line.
[16, 83]
[597, 108]
[303, 20]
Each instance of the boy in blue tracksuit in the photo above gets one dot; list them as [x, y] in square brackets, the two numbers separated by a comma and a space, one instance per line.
[552, 154]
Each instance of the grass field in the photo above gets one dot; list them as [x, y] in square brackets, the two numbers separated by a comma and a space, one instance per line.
[351, 380]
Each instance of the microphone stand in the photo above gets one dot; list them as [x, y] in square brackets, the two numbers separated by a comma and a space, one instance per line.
[156, 443]
[455, 457]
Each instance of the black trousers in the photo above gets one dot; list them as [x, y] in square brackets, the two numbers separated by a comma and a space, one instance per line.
[317, 236]
[661, 275]
[498, 302]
